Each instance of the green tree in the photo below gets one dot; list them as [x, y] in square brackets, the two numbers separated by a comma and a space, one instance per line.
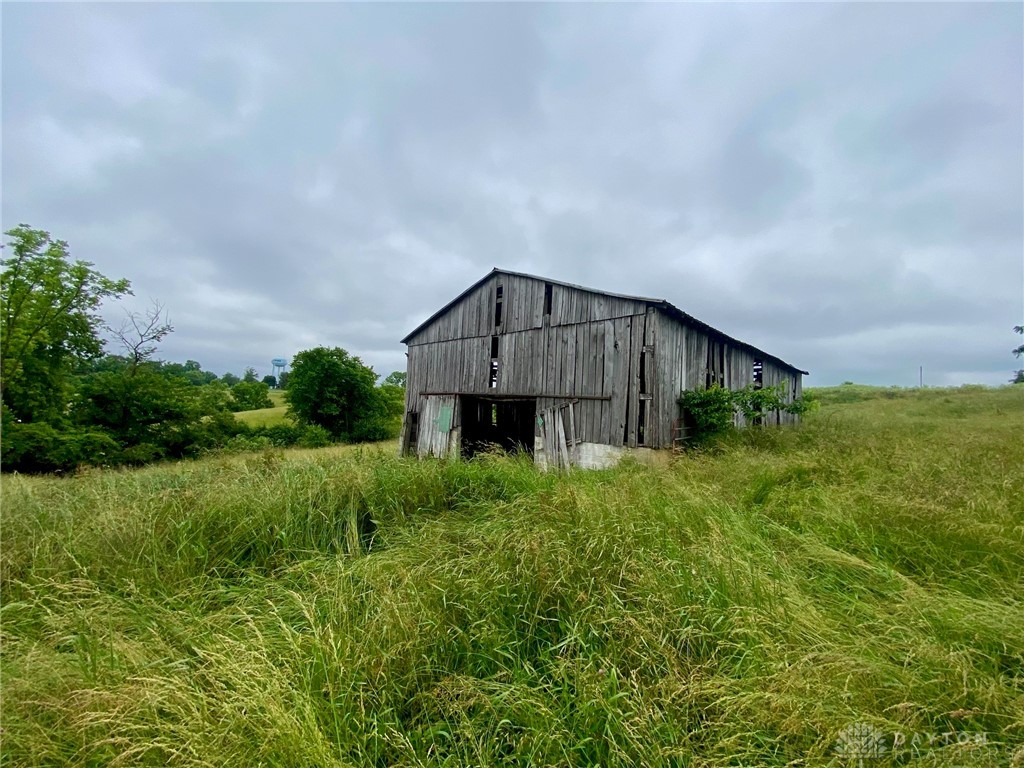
[282, 380]
[395, 379]
[150, 416]
[270, 380]
[393, 401]
[1018, 377]
[251, 396]
[230, 379]
[250, 375]
[333, 389]
[148, 407]
[48, 322]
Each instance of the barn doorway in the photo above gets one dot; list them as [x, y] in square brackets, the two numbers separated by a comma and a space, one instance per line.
[489, 423]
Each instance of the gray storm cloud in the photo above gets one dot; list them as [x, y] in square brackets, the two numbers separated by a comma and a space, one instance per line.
[840, 184]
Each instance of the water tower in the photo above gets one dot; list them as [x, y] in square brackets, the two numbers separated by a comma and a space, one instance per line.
[277, 368]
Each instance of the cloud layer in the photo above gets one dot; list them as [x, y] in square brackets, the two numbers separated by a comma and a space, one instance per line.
[839, 184]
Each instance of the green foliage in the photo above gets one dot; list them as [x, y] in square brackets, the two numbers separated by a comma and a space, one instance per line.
[707, 412]
[230, 379]
[351, 608]
[334, 390]
[250, 396]
[143, 409]
[314, 437]
[282, 380]
[285, 435]
[191, 371]
[65, 406]
[250, 375]
[395, 379]
[710, 412]
[1018, 376]
[48, 321]
[270, 380]
[39, 447]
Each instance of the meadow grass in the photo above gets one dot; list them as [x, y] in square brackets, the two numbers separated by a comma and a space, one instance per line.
[264, 417]
[267, 417]
[740, 606]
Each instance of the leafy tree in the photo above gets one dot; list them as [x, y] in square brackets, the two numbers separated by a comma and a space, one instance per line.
[48, 322]
[149, 415]
[395, 379]
[333, 389]
[270, 380]
[393, 400]
[251, 396]
[230, 379]
[191, 371]
[1018, 377]
[282, 380]
[250, 375]
[146, 406]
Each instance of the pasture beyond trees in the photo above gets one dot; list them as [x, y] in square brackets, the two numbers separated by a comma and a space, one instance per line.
[761, 603]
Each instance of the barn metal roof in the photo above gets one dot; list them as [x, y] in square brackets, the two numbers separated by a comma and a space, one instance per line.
[668, 308]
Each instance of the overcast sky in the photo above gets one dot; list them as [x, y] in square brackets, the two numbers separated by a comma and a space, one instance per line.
[841, 185]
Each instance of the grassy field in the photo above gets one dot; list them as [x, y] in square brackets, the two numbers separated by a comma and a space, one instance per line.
[343, 607]
[266, 417]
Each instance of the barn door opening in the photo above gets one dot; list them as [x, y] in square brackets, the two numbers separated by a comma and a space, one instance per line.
[492, 423]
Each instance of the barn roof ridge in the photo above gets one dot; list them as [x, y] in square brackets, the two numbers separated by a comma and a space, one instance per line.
[662, 304]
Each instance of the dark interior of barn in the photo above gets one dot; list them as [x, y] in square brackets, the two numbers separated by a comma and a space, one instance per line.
[504, 424]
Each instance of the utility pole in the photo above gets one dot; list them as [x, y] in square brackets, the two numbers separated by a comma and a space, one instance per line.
[920, 376]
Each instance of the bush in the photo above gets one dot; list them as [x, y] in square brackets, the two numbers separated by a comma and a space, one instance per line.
[708, 412]
[245, 443]
[314, 436]
[35, 448]
[280, 435]
[250, 396]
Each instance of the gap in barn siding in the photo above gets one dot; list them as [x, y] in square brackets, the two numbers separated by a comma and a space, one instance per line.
[499, 295]
[493, 384]
[413, 419]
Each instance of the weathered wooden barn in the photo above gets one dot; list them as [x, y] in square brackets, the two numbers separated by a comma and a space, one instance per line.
[574, 376]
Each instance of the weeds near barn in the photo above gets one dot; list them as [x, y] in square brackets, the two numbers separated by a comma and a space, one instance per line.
[745, 605]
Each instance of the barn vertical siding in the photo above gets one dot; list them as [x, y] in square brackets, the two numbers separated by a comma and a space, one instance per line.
[588, 349]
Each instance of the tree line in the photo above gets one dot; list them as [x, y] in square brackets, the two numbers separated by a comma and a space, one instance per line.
[66, 401]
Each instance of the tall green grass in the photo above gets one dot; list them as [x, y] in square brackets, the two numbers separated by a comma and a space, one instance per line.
[344, 607]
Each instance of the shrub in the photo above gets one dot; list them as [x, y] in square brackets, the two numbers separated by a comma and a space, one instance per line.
[35, 448]
[280, 435]
[250, 396]
[708, 412]
[314, 436]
